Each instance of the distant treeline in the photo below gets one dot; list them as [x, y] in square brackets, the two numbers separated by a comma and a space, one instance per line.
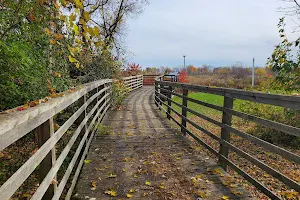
[235, 71]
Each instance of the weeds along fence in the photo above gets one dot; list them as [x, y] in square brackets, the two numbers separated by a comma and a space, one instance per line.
[164, 91]
[94, 99]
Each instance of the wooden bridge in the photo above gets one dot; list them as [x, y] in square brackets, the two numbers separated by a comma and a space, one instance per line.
[136, 151]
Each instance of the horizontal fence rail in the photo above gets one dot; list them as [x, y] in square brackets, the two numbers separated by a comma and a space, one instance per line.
[134, 82]
[164, 90]
[94, 100]
[149, 79]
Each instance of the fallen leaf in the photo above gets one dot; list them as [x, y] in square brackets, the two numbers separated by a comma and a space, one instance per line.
[201, 194]
[162, 185]
[111, 192]
[225, 197]
[129, 196]
[94, 185]
[87, 161]
[148, 183]
[111, 175]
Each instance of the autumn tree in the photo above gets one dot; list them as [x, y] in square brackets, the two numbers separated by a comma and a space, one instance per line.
[285, 61]
[48, 46]
[151, 71]
[182, 76]
[191, 69]
[133, 69]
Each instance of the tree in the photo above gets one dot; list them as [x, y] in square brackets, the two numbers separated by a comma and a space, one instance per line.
[133, 69]
[285, 61]
[182, 76]
[110, 17]
[191, 69]
[70, 42]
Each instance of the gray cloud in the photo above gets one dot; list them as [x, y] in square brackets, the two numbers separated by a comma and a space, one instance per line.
[209, 32]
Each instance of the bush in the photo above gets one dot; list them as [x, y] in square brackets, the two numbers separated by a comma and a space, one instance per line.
[23, 76]
[275, 113]
[119, 92]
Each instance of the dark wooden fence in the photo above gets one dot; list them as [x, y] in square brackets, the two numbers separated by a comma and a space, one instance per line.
[95, 100]
[164, 91]
[149, 79]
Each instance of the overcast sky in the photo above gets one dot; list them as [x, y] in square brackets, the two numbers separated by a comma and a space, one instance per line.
[219, 32]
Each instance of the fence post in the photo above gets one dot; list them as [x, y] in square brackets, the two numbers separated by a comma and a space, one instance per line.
[185, 93]
[225, 134]
[44, 132]
[156, 94]
[169, 95]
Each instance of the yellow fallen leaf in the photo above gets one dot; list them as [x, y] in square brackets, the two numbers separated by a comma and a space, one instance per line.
[111, 192]
[111, 175]
[162, 185]
[225, 197]
[47, 30]
[94, 185]
[87, 161]
[201, 194]
[199, 176]
[52, 41]
[217, 171]
[236, 192]
[129, 196]
[148, 183]
[72, 60]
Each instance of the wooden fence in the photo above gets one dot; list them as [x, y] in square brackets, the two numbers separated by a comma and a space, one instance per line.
[94, 99]
[164, 91]
[149, 79]
[134, 82]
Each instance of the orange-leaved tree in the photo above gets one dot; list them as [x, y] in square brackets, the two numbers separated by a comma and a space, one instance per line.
[133, 69]
[182, 76]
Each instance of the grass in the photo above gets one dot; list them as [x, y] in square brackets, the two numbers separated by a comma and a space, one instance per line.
[209, 98]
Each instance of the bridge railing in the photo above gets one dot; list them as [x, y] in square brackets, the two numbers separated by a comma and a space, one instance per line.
[94, 100]
[134, 82]
[164, 91]
[149, 79]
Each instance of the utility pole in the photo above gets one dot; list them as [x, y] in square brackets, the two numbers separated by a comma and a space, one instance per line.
[184, 61]
[253, 73]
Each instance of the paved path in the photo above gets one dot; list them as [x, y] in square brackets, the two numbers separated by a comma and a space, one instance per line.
[140, 156]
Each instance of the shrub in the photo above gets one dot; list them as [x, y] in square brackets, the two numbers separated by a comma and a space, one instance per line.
[119, 92]
[23, 76]
[275, 113]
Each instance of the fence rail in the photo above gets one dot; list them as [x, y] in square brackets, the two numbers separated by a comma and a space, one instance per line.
[149, 79]
[163, 99]
[134, 82]
[94, 99]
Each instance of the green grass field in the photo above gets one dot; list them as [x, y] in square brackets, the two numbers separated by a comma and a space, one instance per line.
[205, 97]
[209, 98]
